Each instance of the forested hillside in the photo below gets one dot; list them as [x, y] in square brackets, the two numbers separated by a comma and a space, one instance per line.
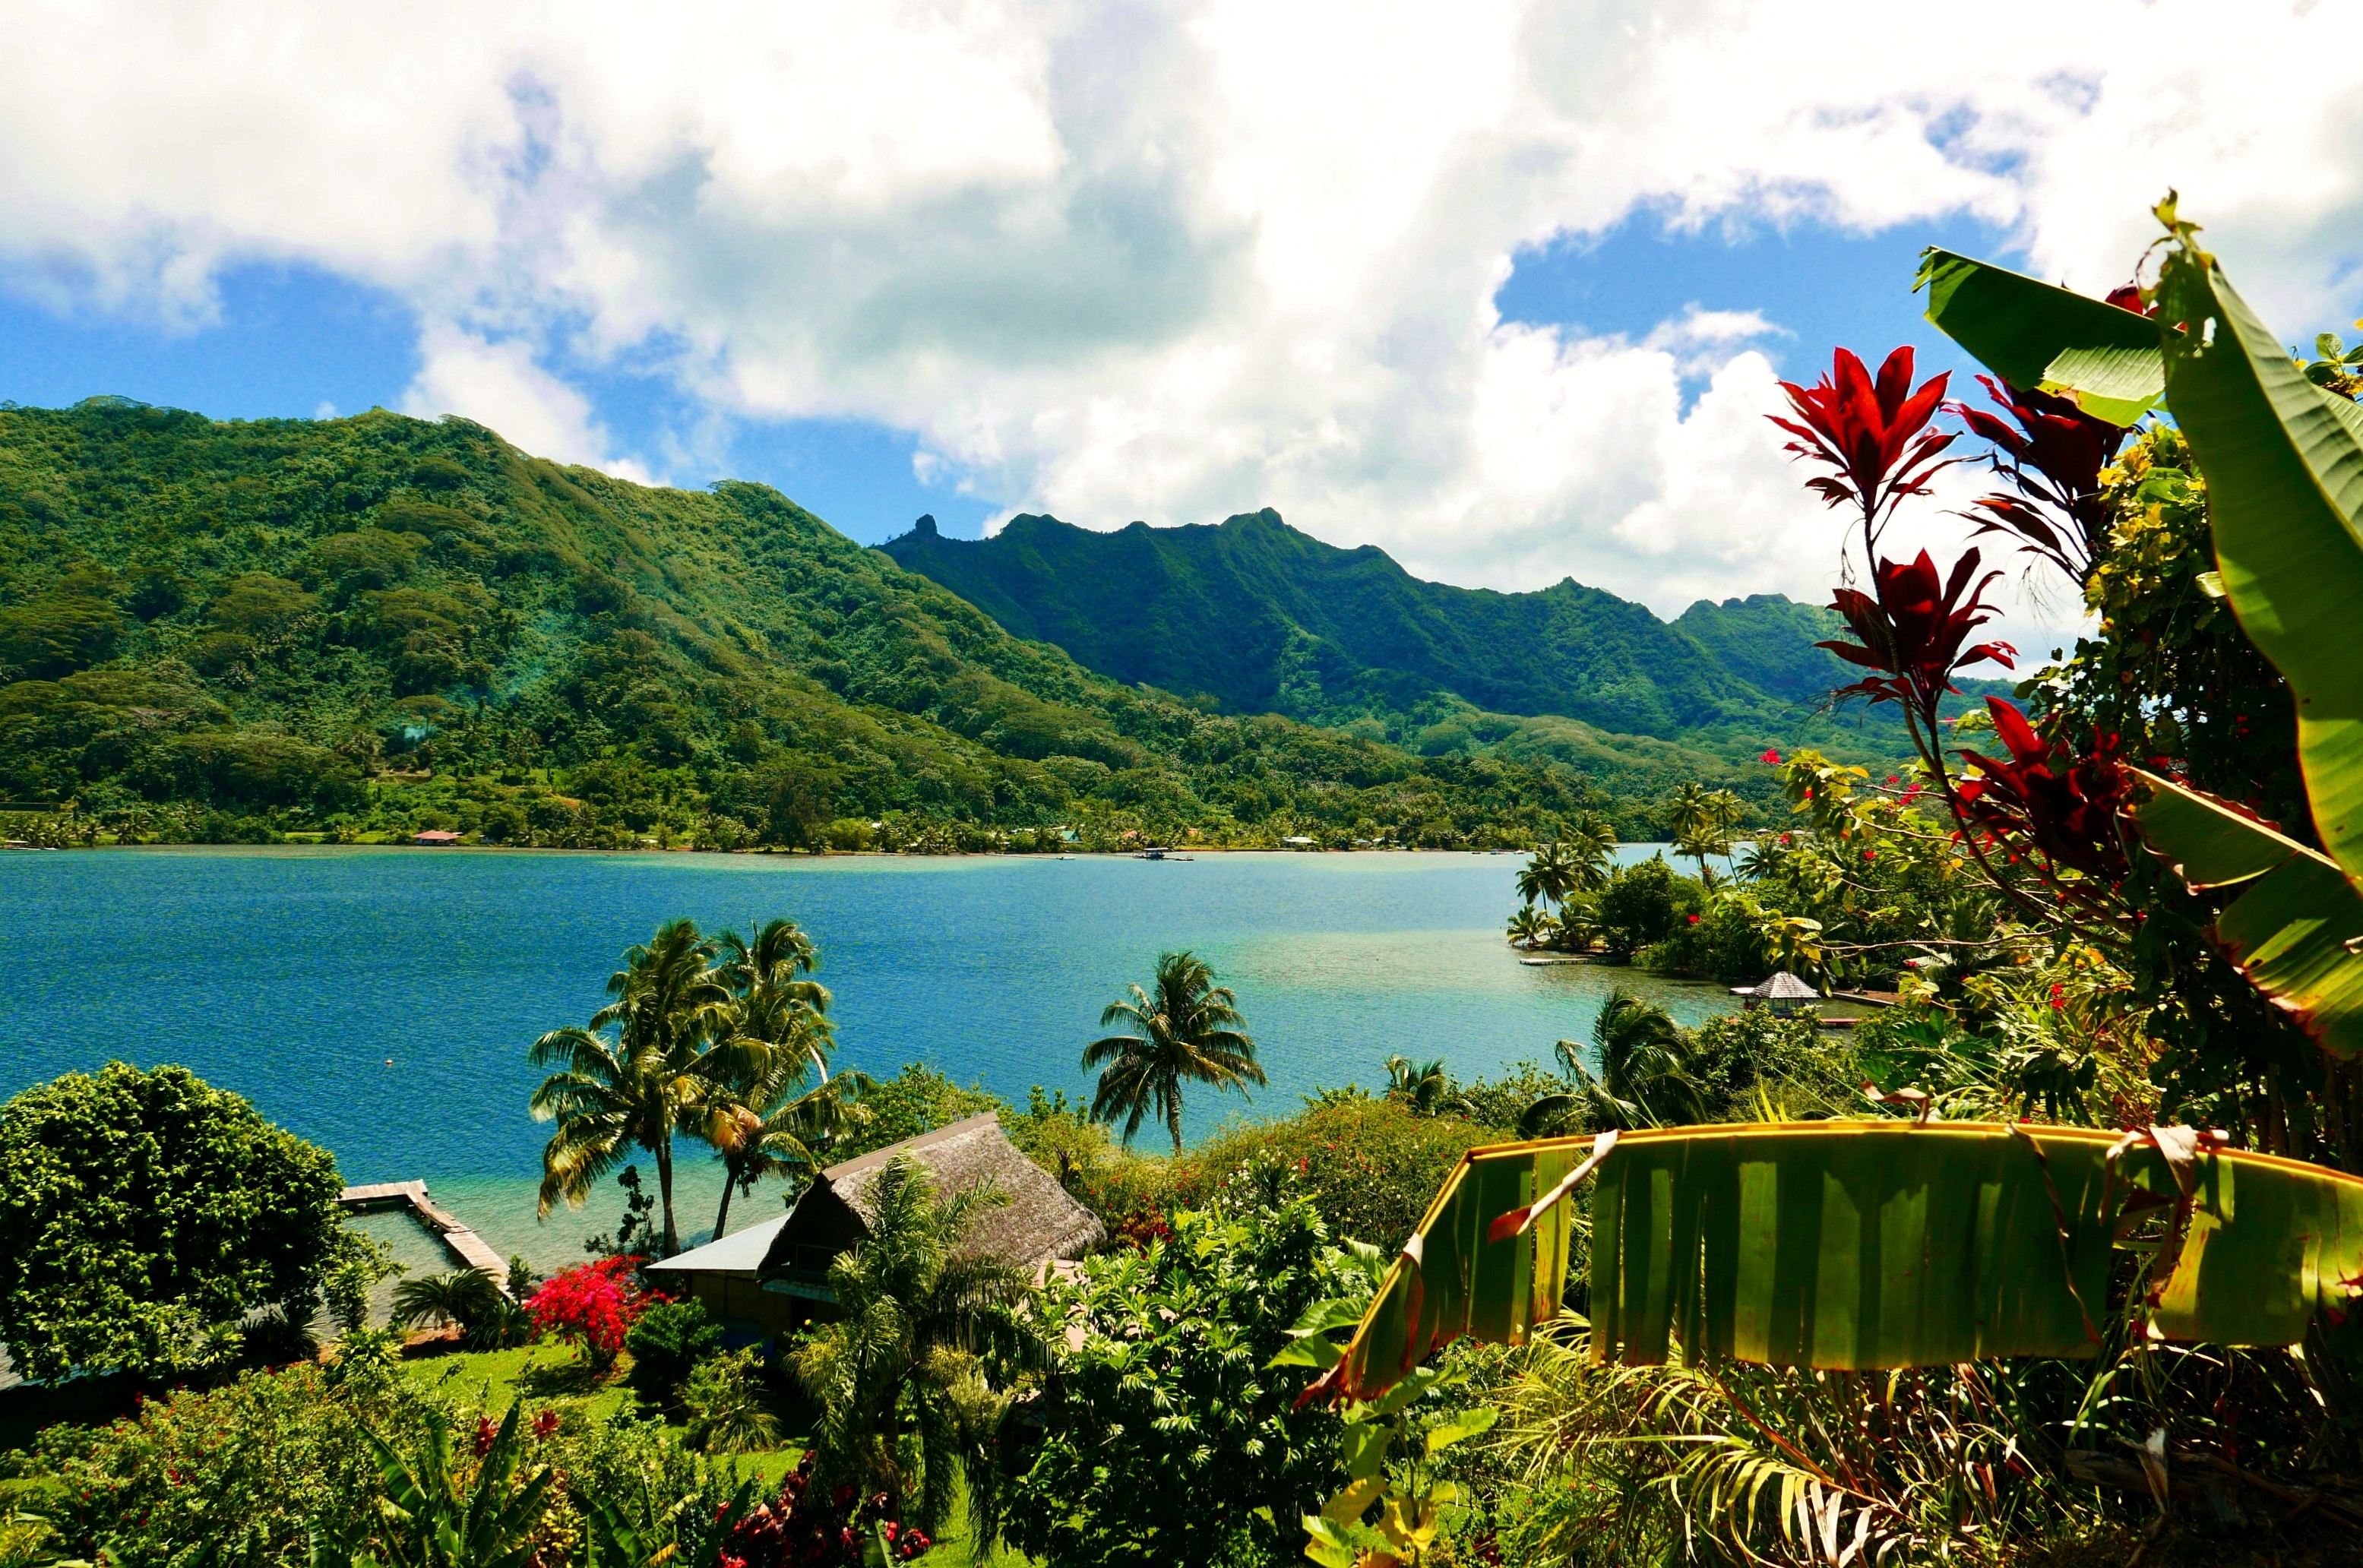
[1262, 618]
[238, 629]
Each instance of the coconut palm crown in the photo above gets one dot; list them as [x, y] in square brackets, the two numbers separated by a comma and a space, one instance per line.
[1185, 1028]
[611, 1094]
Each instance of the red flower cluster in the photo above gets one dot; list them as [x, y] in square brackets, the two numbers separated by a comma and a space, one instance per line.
[593, 1304]
[2055, 454]
[1771, 754]
[2065, 805]
[805, 1527]
[1144, 1226]
[1912, 631]
[1873, 435]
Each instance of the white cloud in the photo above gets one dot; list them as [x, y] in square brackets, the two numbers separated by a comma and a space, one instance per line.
[498, 385]
[1169, 259]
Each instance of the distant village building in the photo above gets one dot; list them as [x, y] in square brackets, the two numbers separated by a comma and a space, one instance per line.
[775, 1275]
[1783, 993]
[435, 835]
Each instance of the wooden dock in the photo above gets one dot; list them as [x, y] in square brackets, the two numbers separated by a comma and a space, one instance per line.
[461, 1242]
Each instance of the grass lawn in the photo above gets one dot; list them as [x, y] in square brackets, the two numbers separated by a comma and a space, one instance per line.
[553, 1374]
[543, 1373]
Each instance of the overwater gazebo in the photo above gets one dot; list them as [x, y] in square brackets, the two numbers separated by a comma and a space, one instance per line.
[1783, 993]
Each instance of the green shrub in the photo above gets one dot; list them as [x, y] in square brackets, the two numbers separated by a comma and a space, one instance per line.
[273, 1455]
[1803, 1070]
[916, 1099]
[1643, 903]
[1370, 1167]
[1497, 1105]
[1722, 940]
[1165, 1440]
[727, 1408]
[141, 1209]
[668, 1342]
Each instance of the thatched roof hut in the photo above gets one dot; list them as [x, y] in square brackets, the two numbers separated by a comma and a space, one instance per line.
[780, 1269]
[1783, 992]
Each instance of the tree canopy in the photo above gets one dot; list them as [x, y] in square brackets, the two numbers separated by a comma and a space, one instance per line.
[142, 1214]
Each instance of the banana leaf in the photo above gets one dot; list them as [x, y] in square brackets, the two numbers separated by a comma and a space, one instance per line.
[2284, 466]
[2294, 928]
[1858, 1245]
[2039, 336]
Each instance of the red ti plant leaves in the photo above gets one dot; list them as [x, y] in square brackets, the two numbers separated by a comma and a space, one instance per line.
[1911, 632]
[2052, 453]
[2064, 805]
[1873, 436]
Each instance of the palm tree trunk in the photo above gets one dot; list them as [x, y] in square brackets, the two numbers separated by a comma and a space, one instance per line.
[730, 1181]
[664, 1189]
[1173, 1116]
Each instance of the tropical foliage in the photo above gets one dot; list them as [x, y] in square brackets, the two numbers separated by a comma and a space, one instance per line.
[145, 1215]
[1185, 1030]
[2049, 968]
[1164, 1438]
[371, 626]
[911, 1379]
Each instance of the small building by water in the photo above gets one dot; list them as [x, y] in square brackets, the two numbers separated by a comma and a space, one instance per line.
[775, 1275]
[1783, 993]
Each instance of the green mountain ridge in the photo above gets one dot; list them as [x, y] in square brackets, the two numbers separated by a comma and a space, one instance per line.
[1262, 618]
[379, 624]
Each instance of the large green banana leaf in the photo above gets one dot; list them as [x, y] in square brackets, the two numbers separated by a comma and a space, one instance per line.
[2294, 927]
[1858, 1245]
[2284, 466]
[2033, 335]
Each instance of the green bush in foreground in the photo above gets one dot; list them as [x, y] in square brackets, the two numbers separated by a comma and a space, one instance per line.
[1166, 1439]
[144, 1214]
[667, 1345]
[1368, 1166]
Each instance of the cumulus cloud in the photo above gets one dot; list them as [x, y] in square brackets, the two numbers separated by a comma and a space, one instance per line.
[1167, 260]
[498, 385]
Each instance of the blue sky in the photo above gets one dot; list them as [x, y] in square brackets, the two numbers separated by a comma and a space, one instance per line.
[299, 341]
[1161, 262]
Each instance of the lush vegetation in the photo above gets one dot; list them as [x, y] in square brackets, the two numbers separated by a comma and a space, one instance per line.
[1253, 616]
[2125, 974]
[2074, 940]
[144, 1216]
[379, 625]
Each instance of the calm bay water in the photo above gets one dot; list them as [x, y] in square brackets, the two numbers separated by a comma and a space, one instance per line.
[293, 975]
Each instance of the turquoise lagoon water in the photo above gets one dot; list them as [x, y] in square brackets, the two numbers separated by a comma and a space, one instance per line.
[294, 976]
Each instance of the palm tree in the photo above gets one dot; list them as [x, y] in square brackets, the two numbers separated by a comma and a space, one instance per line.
[1548, 876]
[1763, 858]
[464, 1296]
[763, 1127]
[610, 1096]
[1528, 927]
[925, 1328]
[1702, 823]
[1645, 1066]
[1590, 846]
[1186, 1028]
[773, 999]
[759, 1114]
[1426, 1088]
[1577, 927]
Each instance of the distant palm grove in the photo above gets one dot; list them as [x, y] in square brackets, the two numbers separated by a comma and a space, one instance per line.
[378, 625]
